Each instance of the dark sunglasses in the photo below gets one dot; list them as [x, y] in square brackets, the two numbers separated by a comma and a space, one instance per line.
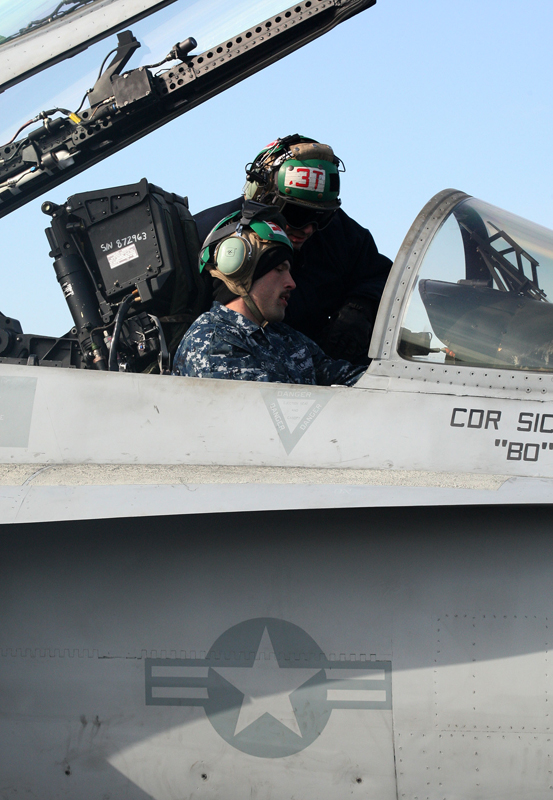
[298, 216]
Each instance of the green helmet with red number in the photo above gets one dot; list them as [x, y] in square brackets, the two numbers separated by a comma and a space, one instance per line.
[298, 176]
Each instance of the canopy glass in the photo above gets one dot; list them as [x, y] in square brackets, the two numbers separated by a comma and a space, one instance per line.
[483, 293]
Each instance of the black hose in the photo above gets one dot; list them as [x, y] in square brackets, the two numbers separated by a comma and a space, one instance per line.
[126, 303]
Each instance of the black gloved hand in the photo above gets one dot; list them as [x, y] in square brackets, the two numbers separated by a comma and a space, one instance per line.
[349, 333]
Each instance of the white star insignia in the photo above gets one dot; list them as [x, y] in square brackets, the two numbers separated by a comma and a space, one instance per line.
[266, 687]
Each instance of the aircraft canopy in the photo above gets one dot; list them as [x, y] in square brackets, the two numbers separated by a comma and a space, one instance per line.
[482, 295]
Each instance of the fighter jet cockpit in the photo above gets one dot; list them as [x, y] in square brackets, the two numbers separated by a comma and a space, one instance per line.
[475, 284]
[482, 296]
[471, 285]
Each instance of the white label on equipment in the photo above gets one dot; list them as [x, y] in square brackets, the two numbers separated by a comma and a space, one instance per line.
[122, 256]
[306, 178]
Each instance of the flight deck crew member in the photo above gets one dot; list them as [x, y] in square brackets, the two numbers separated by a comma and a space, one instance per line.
[338, 271]
[243, 336]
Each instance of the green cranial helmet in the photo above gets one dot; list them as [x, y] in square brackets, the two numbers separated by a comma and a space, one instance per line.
[245, 246]
[298, 176]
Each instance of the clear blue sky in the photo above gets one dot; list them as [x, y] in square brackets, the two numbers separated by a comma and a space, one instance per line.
[414, 97]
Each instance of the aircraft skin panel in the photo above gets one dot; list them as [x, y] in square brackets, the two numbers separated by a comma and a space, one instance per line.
[43, 503]
[314, 653]
[143, 419]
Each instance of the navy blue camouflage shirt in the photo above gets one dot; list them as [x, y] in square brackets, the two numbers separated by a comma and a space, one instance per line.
[224, 344]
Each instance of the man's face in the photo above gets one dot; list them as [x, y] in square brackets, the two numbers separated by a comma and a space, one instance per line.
[298, 236]
[272, 292]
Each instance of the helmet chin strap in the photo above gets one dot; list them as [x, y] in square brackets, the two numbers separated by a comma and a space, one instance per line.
[259, 318]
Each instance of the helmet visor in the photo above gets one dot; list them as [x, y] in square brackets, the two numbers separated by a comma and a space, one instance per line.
[299, 216]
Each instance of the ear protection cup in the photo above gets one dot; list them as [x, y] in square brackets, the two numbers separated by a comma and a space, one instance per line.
[235, 258]
[235, 246]
[231, 255]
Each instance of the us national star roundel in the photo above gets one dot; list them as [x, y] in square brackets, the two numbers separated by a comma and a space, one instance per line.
[267, 688]
[267, 704]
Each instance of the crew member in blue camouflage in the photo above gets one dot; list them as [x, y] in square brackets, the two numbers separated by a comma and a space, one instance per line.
[243, 336]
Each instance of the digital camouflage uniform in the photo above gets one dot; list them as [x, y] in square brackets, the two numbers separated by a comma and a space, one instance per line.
[225, 344]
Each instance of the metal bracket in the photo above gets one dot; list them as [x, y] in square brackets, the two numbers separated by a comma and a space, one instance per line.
[125, 49]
